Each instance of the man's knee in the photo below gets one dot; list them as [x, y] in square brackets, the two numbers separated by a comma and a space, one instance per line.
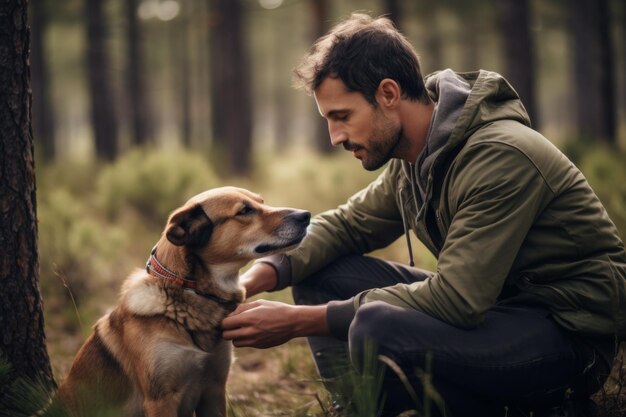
[372, 327]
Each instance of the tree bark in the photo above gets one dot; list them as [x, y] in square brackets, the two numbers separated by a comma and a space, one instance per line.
[231, 104]
[22, 340]
[103, 117]
[518, 51]
[320, 27]
[140, 110]
[43, 111]
[594, 90]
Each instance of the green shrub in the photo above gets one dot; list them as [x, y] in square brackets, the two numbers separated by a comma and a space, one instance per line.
[75, 246]
[311, 182]
[152, 183]
[605, 170]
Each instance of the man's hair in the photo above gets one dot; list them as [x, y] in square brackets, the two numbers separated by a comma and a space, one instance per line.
[362, 51]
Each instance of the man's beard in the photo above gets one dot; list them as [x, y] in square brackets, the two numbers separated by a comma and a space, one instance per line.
[382, 146]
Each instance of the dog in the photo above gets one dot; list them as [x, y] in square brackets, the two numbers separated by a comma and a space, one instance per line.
[159, 352]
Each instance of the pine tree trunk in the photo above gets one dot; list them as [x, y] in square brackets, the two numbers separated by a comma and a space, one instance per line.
[22, 339]
[321, 141]
[103, 117]
[391, 9]
[43, 111]
[594, 90]
[231, 101]
[180, 38]
[140, 113]
[514, 20]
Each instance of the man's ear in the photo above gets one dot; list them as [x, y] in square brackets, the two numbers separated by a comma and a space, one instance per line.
[388, 93]
[189, 226]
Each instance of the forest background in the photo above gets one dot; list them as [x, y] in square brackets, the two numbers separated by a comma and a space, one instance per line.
[139, 104]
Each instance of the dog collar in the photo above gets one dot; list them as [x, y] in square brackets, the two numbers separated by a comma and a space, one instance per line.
[156, 269]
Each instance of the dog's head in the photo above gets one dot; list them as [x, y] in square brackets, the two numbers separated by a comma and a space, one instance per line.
[232, 225]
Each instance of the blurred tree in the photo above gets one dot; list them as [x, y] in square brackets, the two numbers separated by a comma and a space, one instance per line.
[428, 10]
[279, 72]
[21, 317]
[623, 53]
[103, 117]
[594, 84]
[43, 111]
[391, 8]
[320, 14]
[518, 51]
[471, 17]
[180, 37]
[140, 109]
[231, 103]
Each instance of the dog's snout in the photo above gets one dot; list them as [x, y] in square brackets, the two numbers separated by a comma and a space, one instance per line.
[300, 216]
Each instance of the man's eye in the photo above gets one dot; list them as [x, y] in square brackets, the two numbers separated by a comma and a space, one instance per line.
[245, 210]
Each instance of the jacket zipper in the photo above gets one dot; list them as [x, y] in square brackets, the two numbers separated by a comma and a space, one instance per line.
[439, 224]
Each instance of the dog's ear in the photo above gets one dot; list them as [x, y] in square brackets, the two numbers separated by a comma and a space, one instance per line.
[190, 227]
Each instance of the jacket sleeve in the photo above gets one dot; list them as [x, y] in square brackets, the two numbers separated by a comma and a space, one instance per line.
[496, 196]
[369, 220]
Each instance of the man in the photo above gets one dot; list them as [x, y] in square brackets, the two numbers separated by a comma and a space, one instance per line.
[529, 296]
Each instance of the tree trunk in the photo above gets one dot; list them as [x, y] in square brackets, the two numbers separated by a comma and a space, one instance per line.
[21, 317]
[428, 11]
[471, 17]
[231, 104]
[182, 73]
[139, 110]
[281, 71]
[622, 73]
[320, 27]
[103, 117]
[391, 9]
[593, 70]
[43, 111]
[514, 21]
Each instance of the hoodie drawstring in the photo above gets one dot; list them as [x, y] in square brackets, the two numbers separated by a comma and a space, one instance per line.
[406, 230]
[420, 211]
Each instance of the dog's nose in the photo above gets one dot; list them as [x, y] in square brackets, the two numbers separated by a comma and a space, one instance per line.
[300, 216]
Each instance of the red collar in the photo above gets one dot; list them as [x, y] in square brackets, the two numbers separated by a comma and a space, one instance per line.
[154, 268]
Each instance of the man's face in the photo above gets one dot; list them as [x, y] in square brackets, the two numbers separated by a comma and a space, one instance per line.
[353, 122]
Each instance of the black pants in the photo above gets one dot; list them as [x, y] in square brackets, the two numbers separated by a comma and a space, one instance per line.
[518, 357]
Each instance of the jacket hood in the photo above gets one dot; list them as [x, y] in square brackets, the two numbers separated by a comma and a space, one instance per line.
[463, 103]
[491, 98]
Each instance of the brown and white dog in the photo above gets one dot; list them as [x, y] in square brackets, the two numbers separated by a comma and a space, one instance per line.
[159, 352]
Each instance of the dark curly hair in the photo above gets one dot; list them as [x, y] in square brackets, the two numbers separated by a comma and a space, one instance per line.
[362, 51]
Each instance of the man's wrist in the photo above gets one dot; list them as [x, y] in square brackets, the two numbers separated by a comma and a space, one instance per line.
[282, 266]
[261, 277]
[311, 321]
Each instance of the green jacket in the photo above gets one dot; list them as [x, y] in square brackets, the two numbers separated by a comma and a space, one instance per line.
[506, 214]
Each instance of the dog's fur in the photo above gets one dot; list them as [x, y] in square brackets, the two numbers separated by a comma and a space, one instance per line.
[159, 352]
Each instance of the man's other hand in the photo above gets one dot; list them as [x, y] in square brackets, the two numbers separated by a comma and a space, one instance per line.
[263, 324]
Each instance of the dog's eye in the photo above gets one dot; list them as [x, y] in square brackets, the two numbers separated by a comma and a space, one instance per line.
[245, 210]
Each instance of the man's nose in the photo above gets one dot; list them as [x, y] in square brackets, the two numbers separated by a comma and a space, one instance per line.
[337, 135]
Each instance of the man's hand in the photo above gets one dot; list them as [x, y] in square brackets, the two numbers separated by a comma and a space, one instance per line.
[263, 324]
